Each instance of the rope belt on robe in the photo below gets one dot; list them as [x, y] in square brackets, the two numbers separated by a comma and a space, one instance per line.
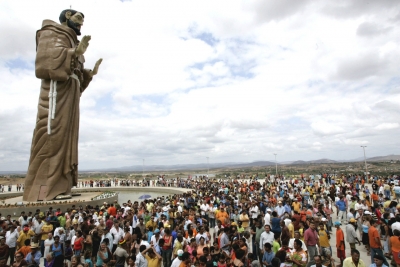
[53, 101]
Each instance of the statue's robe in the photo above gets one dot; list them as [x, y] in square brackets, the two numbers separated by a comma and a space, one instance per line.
[53, 163]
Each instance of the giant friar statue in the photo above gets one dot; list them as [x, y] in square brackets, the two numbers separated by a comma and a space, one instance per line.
[53, 163]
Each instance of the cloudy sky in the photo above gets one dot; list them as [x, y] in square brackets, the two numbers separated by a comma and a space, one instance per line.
[235, 81]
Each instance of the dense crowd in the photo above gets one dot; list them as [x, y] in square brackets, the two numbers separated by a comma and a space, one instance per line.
[218, 223]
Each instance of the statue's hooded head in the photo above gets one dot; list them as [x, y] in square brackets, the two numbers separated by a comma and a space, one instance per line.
[72, 19]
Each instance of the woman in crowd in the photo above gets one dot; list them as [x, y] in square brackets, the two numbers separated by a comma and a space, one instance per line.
[131, 261]
[365, 239]
[239, 261]
[200, 247]
[75, 261]
[166, 250]
[19, 260]
[298, 256]
[88, 241]
[96, 244]
[49, 260]
[57, 249]
[102, 255]
[127, 236]
[192, 246]
[243, 245]
[78, 243]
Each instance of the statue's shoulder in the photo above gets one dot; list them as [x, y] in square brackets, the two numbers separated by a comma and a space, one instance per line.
[48, 24]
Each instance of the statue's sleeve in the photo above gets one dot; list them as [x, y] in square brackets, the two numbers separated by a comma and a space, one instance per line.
[86, 79]
[54, 55]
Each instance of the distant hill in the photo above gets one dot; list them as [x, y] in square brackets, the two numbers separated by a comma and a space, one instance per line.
[384, 158]
[318, 161]
[204, 166]
[200, 166]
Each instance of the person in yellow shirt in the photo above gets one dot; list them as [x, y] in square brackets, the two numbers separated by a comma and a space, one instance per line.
[151, 223]
[244, 219]
[291, 228]
[323, 237]
[46, 229]
[296, 205]
[25, 234]
[153, 258]
[354, 260]
[149, 206]
[301, 230]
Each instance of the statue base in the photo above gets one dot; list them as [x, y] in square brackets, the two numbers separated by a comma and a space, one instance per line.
[61, 197]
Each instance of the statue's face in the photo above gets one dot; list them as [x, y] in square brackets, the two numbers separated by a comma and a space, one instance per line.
[75, 21]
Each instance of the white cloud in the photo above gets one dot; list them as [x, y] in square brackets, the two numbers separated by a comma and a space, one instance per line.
[184, 80]
[387, 126]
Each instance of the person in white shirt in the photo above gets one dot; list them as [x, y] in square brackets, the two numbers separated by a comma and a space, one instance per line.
[118, 234]
[107, 235]
[21, 218]
[37, 225]
[291, 242]
[267, 217]
[155, 238]
[47, 244]
[266, 237]
[177, 261]
[144, 242]
[396, 225]
[318, 262]
[11, 241]
[254, 211]
[280, 210]
[203, 209]
[200, 234]
[135, 220]
[350, 214]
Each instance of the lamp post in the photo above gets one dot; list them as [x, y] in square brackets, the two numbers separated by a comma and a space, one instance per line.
[208, 167]
[276, 167]
[365, 161]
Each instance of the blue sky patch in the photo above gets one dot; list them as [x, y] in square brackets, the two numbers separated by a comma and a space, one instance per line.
[20, 64]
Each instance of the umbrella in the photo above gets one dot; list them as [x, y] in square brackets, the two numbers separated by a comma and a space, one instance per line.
[144, 197]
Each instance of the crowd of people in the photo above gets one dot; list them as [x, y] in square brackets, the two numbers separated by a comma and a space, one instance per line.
[218, 223]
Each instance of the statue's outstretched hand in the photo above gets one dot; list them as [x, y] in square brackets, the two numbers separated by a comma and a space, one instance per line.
[83, 45]
[96, 68]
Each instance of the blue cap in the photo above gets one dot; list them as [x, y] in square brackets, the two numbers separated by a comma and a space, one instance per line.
[157, 231]
[338, 223]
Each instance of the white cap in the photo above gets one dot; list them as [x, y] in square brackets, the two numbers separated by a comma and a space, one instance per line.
[367, 212]
[269, 210]
[324, 219]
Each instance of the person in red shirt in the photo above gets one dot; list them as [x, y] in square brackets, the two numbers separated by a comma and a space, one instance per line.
[340, 246]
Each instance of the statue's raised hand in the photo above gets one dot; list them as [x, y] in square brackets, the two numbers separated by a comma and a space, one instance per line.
[96, 68]
[83, 45]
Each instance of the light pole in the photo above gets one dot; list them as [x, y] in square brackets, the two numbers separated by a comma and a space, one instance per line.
[208, 167]
[365, 161]
[276, 166]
